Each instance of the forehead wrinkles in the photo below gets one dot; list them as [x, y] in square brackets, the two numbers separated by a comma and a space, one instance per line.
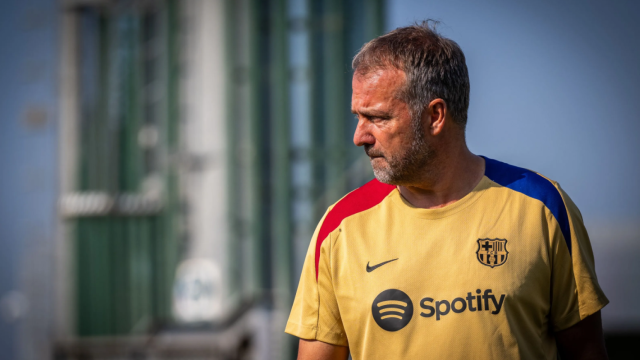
[386, 83]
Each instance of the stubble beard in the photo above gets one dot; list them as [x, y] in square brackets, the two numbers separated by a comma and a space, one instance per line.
[407, 168]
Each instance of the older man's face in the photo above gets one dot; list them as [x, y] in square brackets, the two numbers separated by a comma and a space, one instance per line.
[394, 141]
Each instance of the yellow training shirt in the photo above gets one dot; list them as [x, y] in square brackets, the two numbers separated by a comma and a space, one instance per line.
[491, 276]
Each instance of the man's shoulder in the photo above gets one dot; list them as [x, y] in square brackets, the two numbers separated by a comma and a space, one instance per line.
[525, 181]
[361, 199]
[533, 185]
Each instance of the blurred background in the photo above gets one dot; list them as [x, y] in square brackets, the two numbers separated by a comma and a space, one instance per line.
[166, 162]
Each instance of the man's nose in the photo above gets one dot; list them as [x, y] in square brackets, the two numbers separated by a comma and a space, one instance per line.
[362, 135]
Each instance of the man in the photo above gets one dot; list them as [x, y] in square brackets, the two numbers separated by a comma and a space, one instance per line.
[445, 255]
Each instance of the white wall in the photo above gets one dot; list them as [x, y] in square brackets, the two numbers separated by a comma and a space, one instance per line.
[203, 136]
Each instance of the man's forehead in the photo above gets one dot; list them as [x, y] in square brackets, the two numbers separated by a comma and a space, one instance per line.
[375, 89]
[380, 77]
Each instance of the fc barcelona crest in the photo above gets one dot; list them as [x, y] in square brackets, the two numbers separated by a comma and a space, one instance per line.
[492, 252]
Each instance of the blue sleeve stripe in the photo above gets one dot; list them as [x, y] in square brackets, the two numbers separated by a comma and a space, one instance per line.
[533, 185]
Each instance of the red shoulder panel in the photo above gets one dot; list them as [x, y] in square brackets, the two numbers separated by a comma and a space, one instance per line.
[361, 199]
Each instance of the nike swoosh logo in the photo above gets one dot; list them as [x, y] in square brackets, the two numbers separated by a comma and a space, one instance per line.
[371, 268]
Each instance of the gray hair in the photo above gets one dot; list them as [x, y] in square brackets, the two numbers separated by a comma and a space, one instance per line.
[434, 67]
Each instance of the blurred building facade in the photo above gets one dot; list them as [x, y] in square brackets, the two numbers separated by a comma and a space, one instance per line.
[193, 146]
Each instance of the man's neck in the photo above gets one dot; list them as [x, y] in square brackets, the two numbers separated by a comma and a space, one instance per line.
[450, 179]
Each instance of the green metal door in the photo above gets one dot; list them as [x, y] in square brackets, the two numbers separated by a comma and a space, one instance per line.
[125, 211]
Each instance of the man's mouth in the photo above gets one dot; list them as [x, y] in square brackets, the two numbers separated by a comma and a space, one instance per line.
[372, 154]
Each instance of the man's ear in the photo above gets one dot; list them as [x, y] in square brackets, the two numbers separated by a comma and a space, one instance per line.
[436, 114]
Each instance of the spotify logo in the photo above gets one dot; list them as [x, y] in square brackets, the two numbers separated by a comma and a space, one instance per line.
[392, 310]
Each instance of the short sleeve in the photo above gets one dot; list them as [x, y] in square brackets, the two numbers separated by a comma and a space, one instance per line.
[576, 293]
[315, 314]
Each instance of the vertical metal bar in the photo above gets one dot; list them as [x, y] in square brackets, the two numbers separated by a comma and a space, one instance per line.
[102, 113]
[83, 310]
[280, 163]
[126, 114]
[161, 298]
[67, 279]
[101, 259]
[234, 265]
[300, 137]
[134, 273]
[98, 238]
[317, 107]
[120, 278]
[146, 275]
[335, 150]
[245, 146]
[258, 130]
[168, 226]
[138, 116]
[300, 132]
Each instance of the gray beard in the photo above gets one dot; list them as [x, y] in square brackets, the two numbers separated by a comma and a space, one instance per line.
[410, 167]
